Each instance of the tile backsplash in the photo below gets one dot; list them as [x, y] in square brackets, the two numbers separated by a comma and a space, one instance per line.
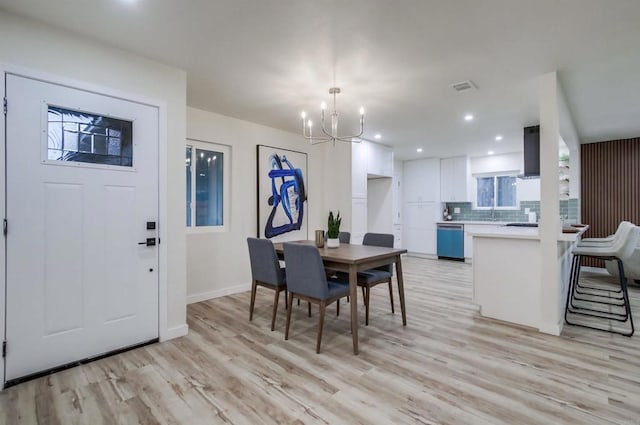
[568, 208]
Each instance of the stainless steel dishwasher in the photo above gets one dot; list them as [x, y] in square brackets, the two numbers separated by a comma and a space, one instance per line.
[451, 241]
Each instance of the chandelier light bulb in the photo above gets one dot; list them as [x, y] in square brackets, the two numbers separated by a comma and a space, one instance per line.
[303, 115]
[323, 106]
[362, 110]
[309, 123]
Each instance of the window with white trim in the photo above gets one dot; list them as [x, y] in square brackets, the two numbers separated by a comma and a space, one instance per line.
[496, 192]
[207, 179]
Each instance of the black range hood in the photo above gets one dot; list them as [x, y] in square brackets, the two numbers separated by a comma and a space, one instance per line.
[531, 153]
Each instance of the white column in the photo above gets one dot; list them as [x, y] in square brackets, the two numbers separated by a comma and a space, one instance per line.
[550, 298]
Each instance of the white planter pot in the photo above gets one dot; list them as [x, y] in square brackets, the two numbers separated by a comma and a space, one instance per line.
[333, 243]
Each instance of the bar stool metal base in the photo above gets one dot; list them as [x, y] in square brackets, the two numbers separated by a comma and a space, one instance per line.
[608, 300]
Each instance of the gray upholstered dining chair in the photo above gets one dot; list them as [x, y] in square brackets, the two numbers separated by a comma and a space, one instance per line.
[307, 280]
[265, 272]
[369, 278]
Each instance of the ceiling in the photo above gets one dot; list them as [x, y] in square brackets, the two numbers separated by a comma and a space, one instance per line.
[266, 60]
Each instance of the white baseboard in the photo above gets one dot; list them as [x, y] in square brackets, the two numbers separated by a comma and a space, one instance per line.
[203, 296]
[422, 255]
[551, 328]
[175, 332]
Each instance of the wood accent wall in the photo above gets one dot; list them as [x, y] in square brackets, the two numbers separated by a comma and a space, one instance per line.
[610, 186]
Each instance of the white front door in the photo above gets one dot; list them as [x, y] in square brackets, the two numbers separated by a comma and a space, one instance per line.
[82, 190]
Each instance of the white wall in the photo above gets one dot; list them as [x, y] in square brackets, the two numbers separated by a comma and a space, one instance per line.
[379, 206]
[218, 263]
[42, 49]
[337, 181]
[508, 162]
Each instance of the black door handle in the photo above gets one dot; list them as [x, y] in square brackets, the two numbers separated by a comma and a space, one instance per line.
[148, 242]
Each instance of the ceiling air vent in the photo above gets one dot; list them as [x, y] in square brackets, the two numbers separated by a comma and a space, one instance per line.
[464, 86]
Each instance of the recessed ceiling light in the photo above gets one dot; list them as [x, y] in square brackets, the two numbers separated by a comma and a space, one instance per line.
[490, 152]
[378, 136]
[498, 137]
[468, 117]
[419, 150]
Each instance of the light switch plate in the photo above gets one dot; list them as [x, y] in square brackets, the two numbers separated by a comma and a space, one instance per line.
[456, 210]
[526, 210]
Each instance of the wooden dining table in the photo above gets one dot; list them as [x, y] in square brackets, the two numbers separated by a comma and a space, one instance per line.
[352, 259]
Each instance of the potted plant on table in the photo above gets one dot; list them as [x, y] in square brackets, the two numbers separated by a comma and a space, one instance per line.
[333, 230]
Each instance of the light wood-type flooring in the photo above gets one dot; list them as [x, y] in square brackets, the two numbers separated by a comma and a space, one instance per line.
[448, 366]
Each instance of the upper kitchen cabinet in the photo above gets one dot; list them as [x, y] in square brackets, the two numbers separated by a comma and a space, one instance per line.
[359, 170]
[368, 160]
[454, 179]
[379, 160]
[422, 180]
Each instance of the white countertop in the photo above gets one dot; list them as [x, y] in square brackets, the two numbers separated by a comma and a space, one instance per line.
[522, 233]
[507, 232]
[491, 223]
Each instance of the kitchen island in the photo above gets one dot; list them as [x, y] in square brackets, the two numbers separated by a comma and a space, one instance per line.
[507, 273]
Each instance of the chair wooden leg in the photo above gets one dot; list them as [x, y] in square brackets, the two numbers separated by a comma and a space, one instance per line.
[275, 309]
[253, 299]
[286, 299]
[364, 297]
[338, 308]
[286, 331]
[298, 301]
[366, 306]
[309, 309]
[391, 296]
[323, 306]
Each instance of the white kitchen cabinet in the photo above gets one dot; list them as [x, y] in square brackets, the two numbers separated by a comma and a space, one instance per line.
[468, 239]
[359, 170]
[413, 176]
[419, 227]
[468, 242]
[397, 197]
[397, 236]
[371, 187]
[358, 220]
[454, 179]
[379, 160]
[421, 180]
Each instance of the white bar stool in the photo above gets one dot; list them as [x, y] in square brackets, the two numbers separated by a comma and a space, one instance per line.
[620, 247]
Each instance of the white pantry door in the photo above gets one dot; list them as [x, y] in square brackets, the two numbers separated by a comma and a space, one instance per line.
[82, 183]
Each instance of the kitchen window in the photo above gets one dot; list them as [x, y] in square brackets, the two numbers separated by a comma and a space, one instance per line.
[207, 179]
[496, 192]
